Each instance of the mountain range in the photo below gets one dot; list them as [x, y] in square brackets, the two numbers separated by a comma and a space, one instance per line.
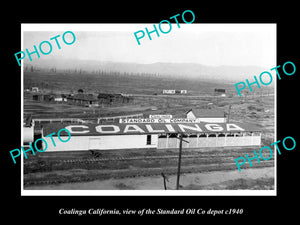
[166, 69]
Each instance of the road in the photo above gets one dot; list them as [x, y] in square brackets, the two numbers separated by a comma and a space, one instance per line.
[194, 96]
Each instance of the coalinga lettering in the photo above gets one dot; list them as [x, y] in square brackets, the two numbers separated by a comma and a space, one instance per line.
[152, 128]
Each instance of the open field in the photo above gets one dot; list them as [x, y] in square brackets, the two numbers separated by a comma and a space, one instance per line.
[111, 83]
[141, 169]
[258, 109]
[250, 179]
[70, 167]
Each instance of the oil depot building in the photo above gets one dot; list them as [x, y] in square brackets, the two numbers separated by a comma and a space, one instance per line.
[150, 134]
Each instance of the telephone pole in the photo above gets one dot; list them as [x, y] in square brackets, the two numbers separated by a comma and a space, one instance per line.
[229, 113]
[179, 160]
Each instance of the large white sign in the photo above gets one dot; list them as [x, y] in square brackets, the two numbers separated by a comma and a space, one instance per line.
[160, 116]
[152, 128]
[159, 120]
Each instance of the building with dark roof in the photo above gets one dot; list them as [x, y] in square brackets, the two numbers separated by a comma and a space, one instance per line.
[82, 99]
[106, 98]
[47, 97]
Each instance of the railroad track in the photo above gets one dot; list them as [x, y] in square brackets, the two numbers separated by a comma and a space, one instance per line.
[136, 173]
[127, 157]
[122, 158]
[129, 165]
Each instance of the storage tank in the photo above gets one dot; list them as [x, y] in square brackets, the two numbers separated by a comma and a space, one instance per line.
[28, 134]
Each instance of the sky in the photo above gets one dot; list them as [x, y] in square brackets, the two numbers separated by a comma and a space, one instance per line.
[207, 44]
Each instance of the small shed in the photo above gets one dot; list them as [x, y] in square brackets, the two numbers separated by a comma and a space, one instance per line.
[60, 98]
[34, 89]
[38, 97]
[219, 90]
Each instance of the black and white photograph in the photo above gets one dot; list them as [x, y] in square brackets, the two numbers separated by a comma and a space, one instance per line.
[131, 109]
[146, 111]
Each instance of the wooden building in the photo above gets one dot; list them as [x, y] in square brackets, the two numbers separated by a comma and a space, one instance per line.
[82, 99]
[150, 136]
[106, 98]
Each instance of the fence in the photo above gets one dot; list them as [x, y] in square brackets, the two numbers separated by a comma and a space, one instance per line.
[89, 120]
[55, 120]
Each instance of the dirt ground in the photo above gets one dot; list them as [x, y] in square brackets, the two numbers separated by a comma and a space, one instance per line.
[255, 178]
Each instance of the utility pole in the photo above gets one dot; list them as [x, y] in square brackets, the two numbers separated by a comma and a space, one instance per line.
[179, 160]
[229, 113]
[165, 179]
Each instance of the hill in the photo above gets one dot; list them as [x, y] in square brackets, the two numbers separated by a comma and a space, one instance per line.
[230, 74]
